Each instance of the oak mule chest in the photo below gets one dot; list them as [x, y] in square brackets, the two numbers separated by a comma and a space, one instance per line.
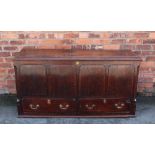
[76, 83]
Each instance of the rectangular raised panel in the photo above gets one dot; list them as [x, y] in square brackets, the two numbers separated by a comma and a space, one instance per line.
[33, 80]
[62, 81]
[91, 81]
[120, 80]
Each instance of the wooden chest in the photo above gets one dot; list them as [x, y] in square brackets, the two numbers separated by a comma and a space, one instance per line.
[76, 83]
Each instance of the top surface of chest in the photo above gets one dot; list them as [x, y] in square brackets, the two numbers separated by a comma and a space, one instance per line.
[55, 54]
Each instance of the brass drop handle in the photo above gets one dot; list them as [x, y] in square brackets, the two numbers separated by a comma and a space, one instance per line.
[64, 107]
[77, 63]
[119, 106]
[34, 107]
[90, 107]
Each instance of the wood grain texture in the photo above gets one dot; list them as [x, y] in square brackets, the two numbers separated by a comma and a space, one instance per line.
[66, 83]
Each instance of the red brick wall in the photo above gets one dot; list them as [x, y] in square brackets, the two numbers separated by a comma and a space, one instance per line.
[144, 42]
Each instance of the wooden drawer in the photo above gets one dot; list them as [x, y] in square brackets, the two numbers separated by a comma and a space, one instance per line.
[104, 106]
[36, 106]
[44, 106]
[64, 107]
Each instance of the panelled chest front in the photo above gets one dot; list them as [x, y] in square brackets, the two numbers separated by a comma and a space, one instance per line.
[76, 83]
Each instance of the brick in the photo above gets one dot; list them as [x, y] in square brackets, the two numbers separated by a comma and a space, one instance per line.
[4, 42]
[28, 47]
[36, 35]
[11, 82]
[5, 54]
[32, 42]
[12, 91]
[94, 35]
[141, 35]
[119, 35]
[71, 35]
[84, 41]
[105, 35]
[87, 47]
[152, 35]
[9, 35]
[1, 60]
[58, 35]
[149, 41]
[51, 41]
[68, 41]
[2, 70]
[139, 53]
[10, 59]
[146, 53]
[51, 36]
[106, 41]
[145, 68]
[153, 47]
[118, 41]
[97, 41]
[97, 47]
[45, 46]
[127, 47]
[62, 46]
[10, 48]
[22, 36]
[5, 65]
[81, 47]
[150, 58]
[148, 74]
[147, 64]
[143, 47]
[134, 41]
[112, 47]
[83, 34]
[17, 42]
[146, 79]
[11, 71]
[148, 84]
[9, 77]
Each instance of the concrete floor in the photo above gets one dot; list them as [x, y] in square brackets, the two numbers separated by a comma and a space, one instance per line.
[145, 114]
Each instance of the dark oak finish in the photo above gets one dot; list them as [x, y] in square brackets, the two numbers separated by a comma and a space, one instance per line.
[76, 83]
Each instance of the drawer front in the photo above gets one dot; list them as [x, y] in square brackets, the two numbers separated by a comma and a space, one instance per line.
[36, 106]
[104, 106]
[64, 107]
[43, 106]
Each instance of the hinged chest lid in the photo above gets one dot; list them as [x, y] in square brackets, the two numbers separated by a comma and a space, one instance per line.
[65, 54]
